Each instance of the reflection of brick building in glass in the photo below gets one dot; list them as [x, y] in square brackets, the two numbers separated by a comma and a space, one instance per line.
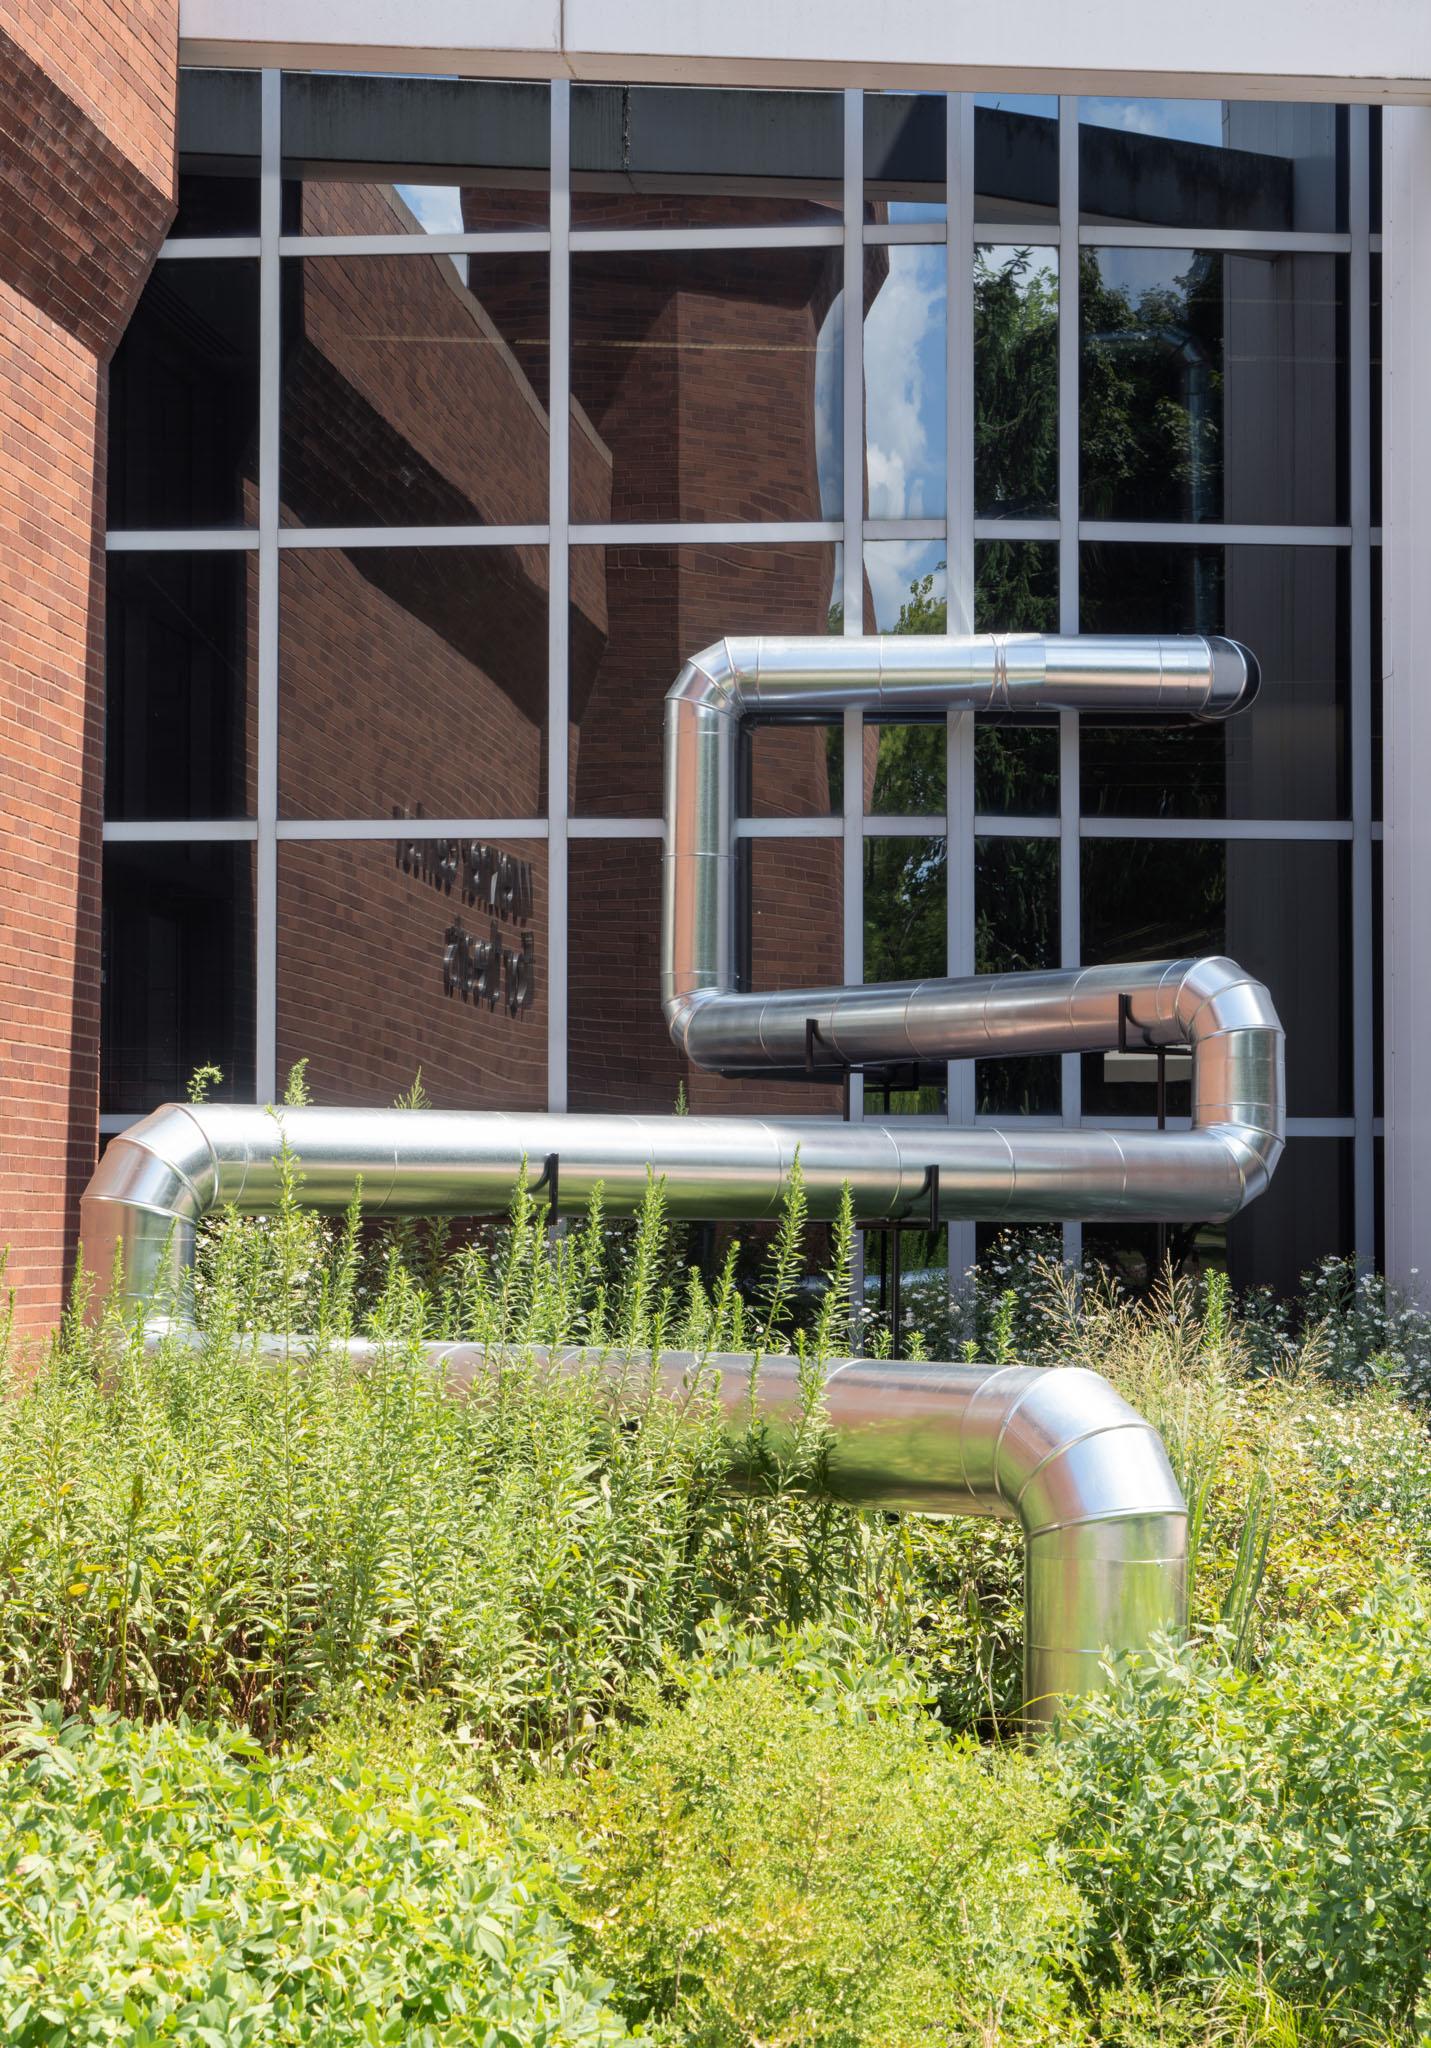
[414, 393]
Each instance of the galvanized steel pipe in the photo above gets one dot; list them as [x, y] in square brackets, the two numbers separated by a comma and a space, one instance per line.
[161, 1176]
[1104, 1523]
[1056, 1450]
[1034, 1176]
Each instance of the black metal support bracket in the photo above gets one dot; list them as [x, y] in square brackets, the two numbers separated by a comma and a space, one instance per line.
[551, 1181]
[890, 1231]
[1125, 1018]
[814, 1037]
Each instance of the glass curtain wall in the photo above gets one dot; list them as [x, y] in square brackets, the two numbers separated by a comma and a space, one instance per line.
[457, 413]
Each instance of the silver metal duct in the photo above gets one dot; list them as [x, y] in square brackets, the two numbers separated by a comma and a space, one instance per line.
[1084, 1475]
[1226, 1017]
[1060, 1451]
[161, 1176]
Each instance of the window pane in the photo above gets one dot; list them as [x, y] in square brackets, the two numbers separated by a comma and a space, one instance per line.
[1212, 163]
[906, 586]
[906, 892]
[905, 164]
[1016, 930]
[906, 888]
[178, 988]
[620, 1056]
[1280, 909]
[709, 382]
[659, 156]
[1015, 383]
[1015, 156]
[1016, 764]
[400, 956]
[1287, 757]
[395, 156]
[1306, 1215]
[218, 153]
[646, 611]
[620, 1053]
[793, 938]
[183, 400]
[905, 377]
[1213, 386]
[414, 390]
[907, 778]
[181, 707]
[905, 592]
[1016, 591]
[412, 682]
[792, 771]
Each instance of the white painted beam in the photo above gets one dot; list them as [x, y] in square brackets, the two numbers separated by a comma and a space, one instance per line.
[1281, 49]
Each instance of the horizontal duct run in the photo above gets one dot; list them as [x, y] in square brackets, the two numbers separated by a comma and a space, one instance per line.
[1059, 1452]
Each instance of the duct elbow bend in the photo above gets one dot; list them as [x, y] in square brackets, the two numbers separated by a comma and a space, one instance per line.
[140, 1214]
[711, 679]
[679, 1010]
[1104, 1524]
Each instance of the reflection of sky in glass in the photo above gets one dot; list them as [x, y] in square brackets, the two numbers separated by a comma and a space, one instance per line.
[1042, 104]
[891, 566]
[1178, 120]
[437, 209]
[1040, 268]
[1135, 271]
[829, 408]
[904, 387]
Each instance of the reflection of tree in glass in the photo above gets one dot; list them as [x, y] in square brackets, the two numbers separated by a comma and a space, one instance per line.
[904, 909]
[1016, 880]
[1150, 428]
[1015, 386]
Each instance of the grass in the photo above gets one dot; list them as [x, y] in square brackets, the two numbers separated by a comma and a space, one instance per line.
[342, 1709]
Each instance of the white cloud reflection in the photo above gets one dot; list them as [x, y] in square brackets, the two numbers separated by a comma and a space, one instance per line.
[904, 387]
[891, 566]
[829, 408]
[437, 209]
[1177, 120]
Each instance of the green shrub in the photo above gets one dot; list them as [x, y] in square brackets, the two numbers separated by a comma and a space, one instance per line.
[211, 1527]
[767, 1860]
[1272, 1825]
[162, 1885]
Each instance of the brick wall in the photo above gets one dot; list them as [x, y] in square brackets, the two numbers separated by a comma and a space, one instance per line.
[86, 159]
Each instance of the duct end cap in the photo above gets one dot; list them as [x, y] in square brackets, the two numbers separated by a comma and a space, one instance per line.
[1236, 678]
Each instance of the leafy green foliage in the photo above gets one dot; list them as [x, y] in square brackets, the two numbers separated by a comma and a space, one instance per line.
[775, 1857]
[721, 1703]
[1015, 385]
[1275, 1823]
[256, 1530]
[165, 1884]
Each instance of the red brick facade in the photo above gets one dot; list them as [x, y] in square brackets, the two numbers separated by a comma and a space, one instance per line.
[87, 160]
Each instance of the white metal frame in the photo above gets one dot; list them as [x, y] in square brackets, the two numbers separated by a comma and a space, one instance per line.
[959, 530]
